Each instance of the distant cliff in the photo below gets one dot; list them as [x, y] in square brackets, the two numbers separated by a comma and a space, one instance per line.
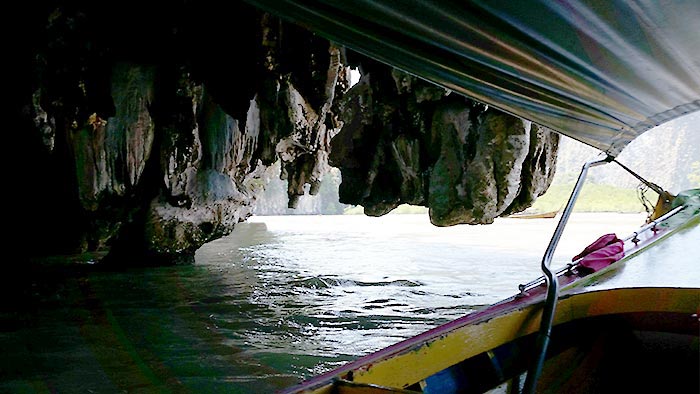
[144, 132]
[668, 155]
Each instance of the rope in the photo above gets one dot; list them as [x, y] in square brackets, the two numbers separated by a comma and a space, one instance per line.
[642, 188]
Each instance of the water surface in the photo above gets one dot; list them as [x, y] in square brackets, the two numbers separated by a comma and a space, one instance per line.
[279, 300]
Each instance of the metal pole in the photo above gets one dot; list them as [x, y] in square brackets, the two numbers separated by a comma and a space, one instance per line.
[552, 283]
[652, 186]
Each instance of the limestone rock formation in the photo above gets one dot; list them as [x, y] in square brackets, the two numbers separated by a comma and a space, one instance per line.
[153, 139]
[406, 141]
[145, 131]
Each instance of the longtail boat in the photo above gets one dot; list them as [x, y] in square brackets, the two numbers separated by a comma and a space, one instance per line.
[603, 73]
[540, 215]
[631, 326]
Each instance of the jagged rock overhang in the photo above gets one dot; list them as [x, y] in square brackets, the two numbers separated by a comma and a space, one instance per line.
[150, 143]
[600, 73]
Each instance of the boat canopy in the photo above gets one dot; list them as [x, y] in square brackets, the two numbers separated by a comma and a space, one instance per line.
[601, 72]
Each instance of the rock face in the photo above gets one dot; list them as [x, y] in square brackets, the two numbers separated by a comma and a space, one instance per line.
[406, 141]
[145, 131]
[153, 139]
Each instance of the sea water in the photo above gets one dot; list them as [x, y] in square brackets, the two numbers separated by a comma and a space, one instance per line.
[279, 300]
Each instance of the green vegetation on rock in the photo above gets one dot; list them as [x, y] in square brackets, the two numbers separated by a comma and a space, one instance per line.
[593, 198]
[694, 176]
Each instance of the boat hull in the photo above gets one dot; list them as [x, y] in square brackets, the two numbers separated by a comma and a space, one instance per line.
[658, 326]
[636, 316]
[544, 215]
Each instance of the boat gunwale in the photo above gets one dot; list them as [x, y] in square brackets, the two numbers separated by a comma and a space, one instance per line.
[626, 302]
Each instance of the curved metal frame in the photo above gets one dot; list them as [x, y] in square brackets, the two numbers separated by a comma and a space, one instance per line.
[552, 283]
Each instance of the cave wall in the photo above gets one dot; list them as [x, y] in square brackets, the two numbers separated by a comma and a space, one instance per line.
[149, 128]
[145, 131]
[405, 140]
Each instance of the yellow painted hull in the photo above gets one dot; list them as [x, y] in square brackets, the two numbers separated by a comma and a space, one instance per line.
[657, 310]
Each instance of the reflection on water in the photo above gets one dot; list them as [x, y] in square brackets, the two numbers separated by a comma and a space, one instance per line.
[280, 299]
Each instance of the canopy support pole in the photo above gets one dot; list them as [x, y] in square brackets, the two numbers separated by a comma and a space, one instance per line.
[552, 283]
[653, 186]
